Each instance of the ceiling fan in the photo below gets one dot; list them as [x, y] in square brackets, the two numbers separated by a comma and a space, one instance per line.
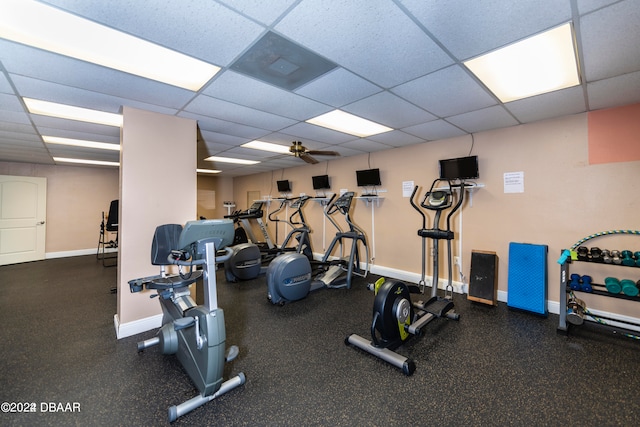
[300, 151]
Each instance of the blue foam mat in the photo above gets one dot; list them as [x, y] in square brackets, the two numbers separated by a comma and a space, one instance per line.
[528, 277]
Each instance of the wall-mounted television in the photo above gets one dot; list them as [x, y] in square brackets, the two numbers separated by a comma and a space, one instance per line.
[368, 177]
[284, 186]
[459, 168]
[320, 182]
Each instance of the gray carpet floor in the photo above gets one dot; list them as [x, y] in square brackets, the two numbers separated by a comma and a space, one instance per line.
[494, 366]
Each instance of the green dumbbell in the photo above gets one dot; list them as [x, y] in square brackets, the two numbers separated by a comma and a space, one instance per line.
[629, 287]
[637, 257]
[627, 258]
[613, 285]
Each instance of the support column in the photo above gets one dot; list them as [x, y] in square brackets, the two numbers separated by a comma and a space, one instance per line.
[157, 186]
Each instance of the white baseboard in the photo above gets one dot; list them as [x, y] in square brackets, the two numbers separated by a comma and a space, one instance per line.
[139, 326]
[78, 252]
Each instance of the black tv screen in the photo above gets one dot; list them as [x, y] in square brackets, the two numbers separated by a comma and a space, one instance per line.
[368, 177]
[320, 182]
[459, 168]
[284, 186]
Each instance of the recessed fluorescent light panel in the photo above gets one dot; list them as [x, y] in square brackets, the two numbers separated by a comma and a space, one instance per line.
[540, 64]
[85, 162]
[231, 160]
[267, 146]
[207, 171]
[46, 27]
[70, 112]
[80, 143]
[348, 123]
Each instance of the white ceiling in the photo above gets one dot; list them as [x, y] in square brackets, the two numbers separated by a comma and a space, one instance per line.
[399, 63]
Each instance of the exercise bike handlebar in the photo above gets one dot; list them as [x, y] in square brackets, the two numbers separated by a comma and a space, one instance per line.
[193, 262]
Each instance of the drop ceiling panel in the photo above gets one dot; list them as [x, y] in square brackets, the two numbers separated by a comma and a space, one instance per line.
[586, 6]
[338, 87]
[14, 118]
[375, 40]
[446, 92]
[390, 110]
[202, 29]
[548, 105]
[305, 131]
[616, 91]
[212, 107]
[264, 11]
[437, 129]
[72, 125]
[365, 145]
[488, 118]
[79, 153]
[20, 139]
[468, 28]
[396, 138]
[234, 87]
[47, 91]
[65, 133]
[610, 40]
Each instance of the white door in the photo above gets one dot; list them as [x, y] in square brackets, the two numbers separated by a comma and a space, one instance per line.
[23, 209]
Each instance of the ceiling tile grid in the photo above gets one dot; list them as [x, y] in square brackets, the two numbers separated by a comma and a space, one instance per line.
[397, 62]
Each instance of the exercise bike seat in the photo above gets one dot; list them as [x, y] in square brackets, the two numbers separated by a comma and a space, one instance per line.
[171, 282]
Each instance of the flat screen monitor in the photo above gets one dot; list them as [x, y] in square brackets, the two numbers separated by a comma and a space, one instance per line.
[320, 182]
[368, 177]
[284, 186]
[459, 168]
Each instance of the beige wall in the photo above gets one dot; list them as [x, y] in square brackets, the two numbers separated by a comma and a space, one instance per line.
[222, 190]
[564, 198]
[76, 198]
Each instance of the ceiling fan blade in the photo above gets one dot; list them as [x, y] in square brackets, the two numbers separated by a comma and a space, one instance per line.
[307, 158]
[323, 153]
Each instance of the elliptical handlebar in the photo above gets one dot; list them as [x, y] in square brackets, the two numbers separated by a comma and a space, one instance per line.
[415, 206]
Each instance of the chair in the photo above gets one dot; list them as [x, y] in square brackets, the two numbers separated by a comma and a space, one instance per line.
[110, 226]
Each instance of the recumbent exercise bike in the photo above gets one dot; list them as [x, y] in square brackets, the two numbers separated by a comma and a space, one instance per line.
[395, 317]
[195, 333]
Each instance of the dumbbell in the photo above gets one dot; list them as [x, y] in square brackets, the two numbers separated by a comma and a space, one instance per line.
[575, 282]
[596, 254]
[606, 256]
[586, 284]
[637, 257]
[615, 256]
[627, 258]
[583, 253]
[613, 285]
[629, 288]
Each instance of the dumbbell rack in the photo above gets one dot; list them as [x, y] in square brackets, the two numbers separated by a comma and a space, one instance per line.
[598, 289]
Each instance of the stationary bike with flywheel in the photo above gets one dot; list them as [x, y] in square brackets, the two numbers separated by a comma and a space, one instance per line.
[195, 333]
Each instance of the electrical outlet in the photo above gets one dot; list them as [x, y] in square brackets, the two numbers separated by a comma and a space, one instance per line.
[457, 261]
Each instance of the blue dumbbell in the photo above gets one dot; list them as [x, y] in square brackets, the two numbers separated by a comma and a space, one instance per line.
[586, 284]
[575, 282]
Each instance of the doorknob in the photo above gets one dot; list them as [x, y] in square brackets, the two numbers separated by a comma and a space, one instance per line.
[40, 223]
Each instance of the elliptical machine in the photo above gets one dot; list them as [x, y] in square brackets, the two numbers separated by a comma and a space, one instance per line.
[395, 317]
[245, 263]
[290, 277]
[195, 333]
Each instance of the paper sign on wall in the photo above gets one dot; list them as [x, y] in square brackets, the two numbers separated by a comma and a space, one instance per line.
[514, 182]
[407, 188]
